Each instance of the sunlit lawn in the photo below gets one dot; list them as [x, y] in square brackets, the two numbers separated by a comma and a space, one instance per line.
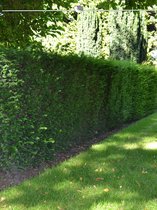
[119, 173]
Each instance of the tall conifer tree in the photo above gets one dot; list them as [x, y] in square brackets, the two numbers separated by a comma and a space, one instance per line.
[127, 36]
[89, 33]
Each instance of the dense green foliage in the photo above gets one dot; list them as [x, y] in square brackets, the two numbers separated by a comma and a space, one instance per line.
[49, 102]
[127, 4]
[123, 33]
[18, 29]
[128, 35]
[89, 33]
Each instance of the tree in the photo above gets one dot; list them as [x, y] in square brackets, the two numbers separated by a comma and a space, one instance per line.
[89, 33]
[128, 35]
[127, 4]
[138, 4]
[18, 29]
[124, 34]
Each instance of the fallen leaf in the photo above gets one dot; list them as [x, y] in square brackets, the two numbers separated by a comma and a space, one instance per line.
[78, 190]
[113, 170]
[81, 178]
[106, 190]
[154, 165]
[98, 170]
[99, 179]
[60, 208]
[144, 172]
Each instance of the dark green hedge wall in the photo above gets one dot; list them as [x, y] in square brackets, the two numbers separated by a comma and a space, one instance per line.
[49, 102]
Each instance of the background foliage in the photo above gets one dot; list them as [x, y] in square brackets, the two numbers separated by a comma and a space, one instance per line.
[65, 100]
[89, 33]
[18, 29]
[37, 30]
[118, 35]
[128, 35]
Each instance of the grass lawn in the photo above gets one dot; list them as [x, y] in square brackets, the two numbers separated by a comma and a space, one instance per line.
[120, 173]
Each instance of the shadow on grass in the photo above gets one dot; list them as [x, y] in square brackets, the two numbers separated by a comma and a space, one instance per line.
[108, 176]
[60, 187]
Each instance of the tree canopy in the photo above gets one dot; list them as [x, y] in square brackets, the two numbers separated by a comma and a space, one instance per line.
[17, 29]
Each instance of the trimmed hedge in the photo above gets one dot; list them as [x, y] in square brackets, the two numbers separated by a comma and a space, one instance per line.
[49, 102]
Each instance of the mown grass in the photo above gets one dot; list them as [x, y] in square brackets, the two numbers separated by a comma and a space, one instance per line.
[119, 173]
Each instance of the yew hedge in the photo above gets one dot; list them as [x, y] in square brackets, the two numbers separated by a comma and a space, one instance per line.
[50, 102]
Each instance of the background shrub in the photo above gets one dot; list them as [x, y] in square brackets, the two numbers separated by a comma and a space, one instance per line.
[50, 102]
